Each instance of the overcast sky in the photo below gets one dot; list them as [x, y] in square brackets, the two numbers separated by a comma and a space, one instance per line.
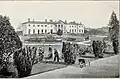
[91, 14]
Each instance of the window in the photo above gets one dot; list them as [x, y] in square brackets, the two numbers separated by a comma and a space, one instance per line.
[75, 30]
[42, 31]
[51, 25]
[72, 30]
[79, 30]
[58, 25]
[72, 26]
[38, 31]
[45, 25]
[33, 25]
[45, 30]
[61, 25]
[29, 25]
[82, 31]
[38, 25]
[41, 25]
[79, 26]
[33, 31]
[29, 31]
[51, 31]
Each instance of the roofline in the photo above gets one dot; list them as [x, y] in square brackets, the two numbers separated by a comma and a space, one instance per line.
[58, 22]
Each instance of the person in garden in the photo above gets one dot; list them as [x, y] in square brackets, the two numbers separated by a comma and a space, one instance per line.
[50, 51]
[56, 55]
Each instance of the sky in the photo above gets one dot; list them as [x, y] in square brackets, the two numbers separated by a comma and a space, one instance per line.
[93, 14]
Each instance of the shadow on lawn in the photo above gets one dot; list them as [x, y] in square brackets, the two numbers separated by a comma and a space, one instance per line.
[87, 56]
[52, 62]
[109, 53]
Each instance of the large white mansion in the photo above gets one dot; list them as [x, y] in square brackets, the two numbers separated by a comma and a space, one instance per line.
[38, 27]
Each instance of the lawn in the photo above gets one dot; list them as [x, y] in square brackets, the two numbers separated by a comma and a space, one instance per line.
[46, 66]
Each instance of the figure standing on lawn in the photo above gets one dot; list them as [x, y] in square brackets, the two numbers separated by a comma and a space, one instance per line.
[56, 55]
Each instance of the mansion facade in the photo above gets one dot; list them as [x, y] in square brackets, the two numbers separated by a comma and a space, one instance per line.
[50, 27]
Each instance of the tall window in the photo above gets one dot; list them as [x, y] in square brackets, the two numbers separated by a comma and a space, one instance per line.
[72, 30]
[38, 31]
[42, 31]
[79, 30]
[75, 30]
[29, 31]
[59, 26]
[33, 31]
[51, 31]
[45, 30]
[82, 31]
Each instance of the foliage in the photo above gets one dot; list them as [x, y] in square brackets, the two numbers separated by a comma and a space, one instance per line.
[114, 32]
[96, 32]
[69, 54]
[59, 32]
[98, 48]
[10, 44]
[9, 41]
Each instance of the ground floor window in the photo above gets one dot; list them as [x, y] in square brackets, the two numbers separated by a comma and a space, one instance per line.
[38, 31]
[51, 30]
[29, 31]
[42, 31]
[33, 31]
[72, 30]
[45, 30]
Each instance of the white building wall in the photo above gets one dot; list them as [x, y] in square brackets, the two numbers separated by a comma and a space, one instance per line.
[67, 28]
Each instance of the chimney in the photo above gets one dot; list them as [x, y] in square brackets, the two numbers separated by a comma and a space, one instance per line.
[45, 20]
[65, 21]
[28, 19]
[51, 20]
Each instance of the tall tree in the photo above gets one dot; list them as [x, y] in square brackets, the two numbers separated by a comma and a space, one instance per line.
[9, 42]
[114, 32]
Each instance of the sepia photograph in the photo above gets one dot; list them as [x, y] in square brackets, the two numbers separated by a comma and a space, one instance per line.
[59, 39]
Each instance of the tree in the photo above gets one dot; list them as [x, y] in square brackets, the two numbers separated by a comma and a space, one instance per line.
[9, 42]
[114, 32]
[59, 32]
[69, 54]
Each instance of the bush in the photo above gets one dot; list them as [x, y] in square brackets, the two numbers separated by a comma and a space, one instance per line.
[69, 54]
[9, 42]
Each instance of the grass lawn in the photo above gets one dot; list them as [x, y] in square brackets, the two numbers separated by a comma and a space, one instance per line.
[45, 67]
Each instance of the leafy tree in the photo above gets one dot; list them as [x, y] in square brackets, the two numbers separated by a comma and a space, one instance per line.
[59, 32]
[9, 42]
[69, 54]
[114, 32]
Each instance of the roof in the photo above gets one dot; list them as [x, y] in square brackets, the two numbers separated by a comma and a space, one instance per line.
[39, 22]
[56, 22]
